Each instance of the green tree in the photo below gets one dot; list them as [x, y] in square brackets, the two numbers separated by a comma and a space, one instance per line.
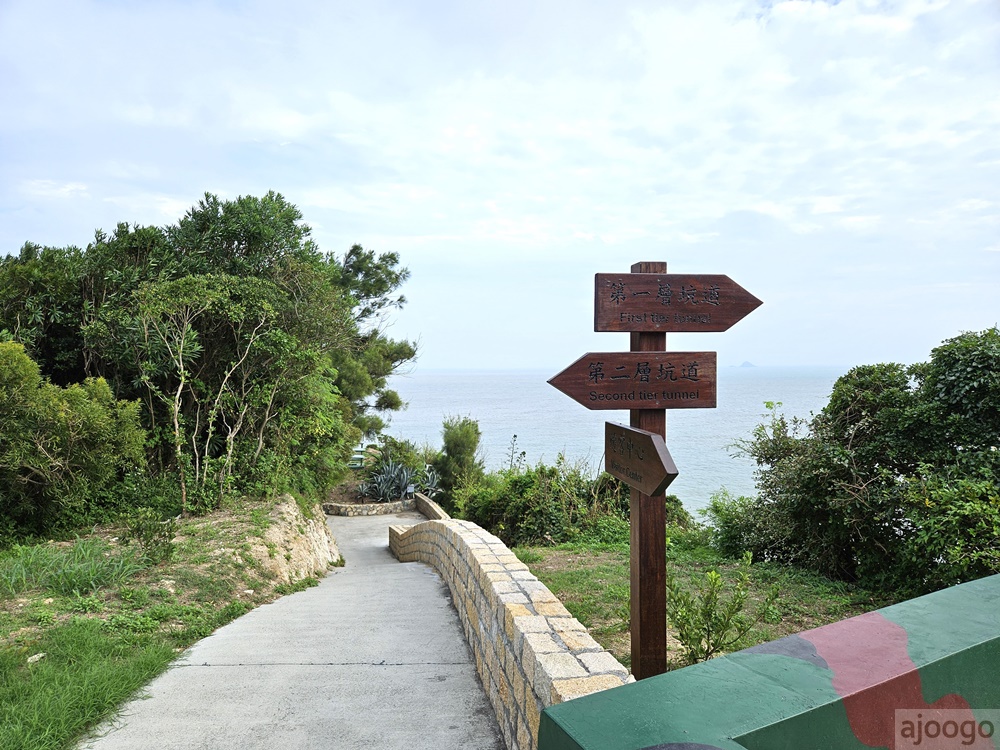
[41, 308]
[258, 359]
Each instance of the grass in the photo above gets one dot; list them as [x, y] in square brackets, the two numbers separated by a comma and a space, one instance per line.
[88, 668]
[84, 624]
[592, 580]
[82, 567]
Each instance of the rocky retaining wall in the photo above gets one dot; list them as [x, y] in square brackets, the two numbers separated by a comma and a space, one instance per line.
[295, 547]
[530, 652]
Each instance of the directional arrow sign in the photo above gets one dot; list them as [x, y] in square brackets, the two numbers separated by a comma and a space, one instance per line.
[669, 302]
[637, 457]
[641, 380]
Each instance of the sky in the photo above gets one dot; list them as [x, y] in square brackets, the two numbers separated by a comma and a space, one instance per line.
[841, 161]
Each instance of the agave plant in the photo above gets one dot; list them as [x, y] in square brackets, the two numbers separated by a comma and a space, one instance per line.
[430, 482]
[388, 482]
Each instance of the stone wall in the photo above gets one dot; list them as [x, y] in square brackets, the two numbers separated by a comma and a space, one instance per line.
[530, 652]
[295, 547]
[368, 509]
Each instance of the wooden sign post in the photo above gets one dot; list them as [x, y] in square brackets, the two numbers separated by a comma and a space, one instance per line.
[647, 381]
[648, 534]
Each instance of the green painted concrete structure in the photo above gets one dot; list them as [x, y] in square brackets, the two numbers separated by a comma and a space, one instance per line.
[836, 687]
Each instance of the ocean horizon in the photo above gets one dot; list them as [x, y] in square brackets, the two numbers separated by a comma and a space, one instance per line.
[547, 423]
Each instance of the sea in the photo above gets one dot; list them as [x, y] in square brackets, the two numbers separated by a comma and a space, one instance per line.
[519, 407]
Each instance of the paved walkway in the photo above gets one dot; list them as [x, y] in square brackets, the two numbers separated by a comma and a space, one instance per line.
[372, 657]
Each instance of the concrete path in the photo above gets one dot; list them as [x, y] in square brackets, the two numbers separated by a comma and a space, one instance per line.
[373, 657]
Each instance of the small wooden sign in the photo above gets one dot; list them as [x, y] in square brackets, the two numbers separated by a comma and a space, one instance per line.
[641, 380]
[669, 302]
[638, 458]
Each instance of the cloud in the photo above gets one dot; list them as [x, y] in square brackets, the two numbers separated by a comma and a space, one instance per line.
[53, 189]
[779, 139]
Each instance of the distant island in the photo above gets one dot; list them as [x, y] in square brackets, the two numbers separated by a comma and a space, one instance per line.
[748, 364]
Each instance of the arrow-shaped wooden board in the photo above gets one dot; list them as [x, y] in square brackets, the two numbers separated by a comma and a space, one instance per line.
[638, 458]
[641, 380]
[669, 302]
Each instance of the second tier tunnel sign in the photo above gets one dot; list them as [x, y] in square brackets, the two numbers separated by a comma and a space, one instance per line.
[641, 380]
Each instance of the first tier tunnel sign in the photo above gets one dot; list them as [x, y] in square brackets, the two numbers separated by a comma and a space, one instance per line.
[664, 302]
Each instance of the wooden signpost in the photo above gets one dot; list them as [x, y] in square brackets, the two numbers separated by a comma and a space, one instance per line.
[647, 381]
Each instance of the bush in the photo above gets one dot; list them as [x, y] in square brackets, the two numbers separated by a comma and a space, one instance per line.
[738, 525]
[954, 522]
[707, 622]
[893, 483]
[604, 531]
[152, 533]
[458, 464]
[553, 504]
[406, 453]
[61, 449]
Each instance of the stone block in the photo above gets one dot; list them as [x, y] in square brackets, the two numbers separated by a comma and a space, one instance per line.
[551, 609]
[517, 681]
[532, 712]
[506, 587]
[538, 593]
[563, 624]
[578, 641]
[540, 643]
[602, 662]
[564, 690]
[513, 598]
[504, 689]
[529, 675]
[558, 666]
[523, 735]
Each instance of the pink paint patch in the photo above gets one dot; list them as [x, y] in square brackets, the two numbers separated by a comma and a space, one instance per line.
[875, 677]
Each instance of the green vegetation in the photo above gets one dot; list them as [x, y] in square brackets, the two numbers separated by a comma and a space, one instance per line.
[87, 668]
[552, 504]
[61, 449]
[80, 569]
[155, 388]
[221, 356]
[458, 464]
[895, 483]
[708, 622]
[592, 579]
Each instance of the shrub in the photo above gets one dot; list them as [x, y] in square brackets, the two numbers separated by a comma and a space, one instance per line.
[458, 464]
[548, 505]
[61, 449]
[893, 483]
[153, 534]
[738, 525]
[954, 524]
[707, 622]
